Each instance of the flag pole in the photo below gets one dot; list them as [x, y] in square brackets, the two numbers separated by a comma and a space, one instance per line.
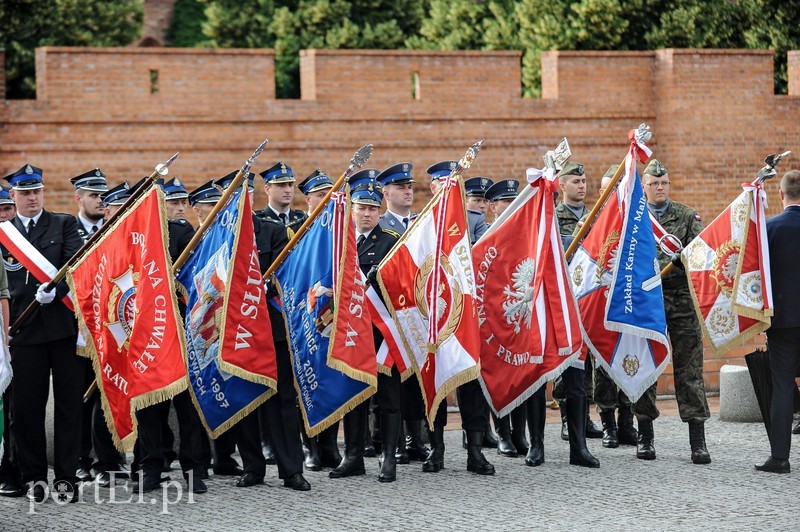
[160, 170]
[767, 172]
[230, 191]
[359, 159]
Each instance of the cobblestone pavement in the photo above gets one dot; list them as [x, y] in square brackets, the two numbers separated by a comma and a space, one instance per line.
[625, 493]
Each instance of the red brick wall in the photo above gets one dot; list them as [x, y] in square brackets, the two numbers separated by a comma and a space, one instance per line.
[713, 114]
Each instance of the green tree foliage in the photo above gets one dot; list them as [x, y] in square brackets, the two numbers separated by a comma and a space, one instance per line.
[28, 24]
[186, 27]
[776, 26]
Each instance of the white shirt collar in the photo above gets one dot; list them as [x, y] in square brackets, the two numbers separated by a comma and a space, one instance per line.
[87, 225]
[278, 213]
[399, 216]
[25, 219]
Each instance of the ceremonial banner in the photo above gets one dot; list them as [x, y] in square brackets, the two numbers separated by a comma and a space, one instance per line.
[728, 270]
[327, 319]
[230, 353]
[392, 351]
[428, 285]
[529, 323]
[617, 281]
[124, 297]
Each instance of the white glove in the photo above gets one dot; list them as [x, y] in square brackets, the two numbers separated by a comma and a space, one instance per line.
[44, 297]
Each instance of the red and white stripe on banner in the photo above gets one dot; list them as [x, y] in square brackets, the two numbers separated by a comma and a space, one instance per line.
[392, 351]
[30, 257]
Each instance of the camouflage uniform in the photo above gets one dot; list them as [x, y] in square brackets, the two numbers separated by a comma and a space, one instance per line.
[683, 326]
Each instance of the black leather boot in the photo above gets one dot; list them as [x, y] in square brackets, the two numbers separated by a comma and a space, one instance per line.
[371, 442]
[518, 419]
[435, 460]
[266, 446]
[625, 430]
[645, 450]
[476, 462]
[328, 445]
[401, 453]
[312, 461]
[390, 427]
[610, 438]
[576, 420]
[504, 445]
[562, 405]
[417, 451]
[592, 430]
[697, 439]
[489, 436]
[536, 418]
[355, 429]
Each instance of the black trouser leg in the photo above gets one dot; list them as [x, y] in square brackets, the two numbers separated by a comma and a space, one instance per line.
[9, 472]
[250, 445]
[190, 452]
[150, 439]
[281, 414]
[108, 457]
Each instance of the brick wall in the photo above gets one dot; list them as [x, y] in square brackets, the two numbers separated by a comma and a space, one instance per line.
[713, 114]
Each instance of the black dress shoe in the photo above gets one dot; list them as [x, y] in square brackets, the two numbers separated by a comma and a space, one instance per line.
[249, 479]
[229, 471]
[122, 471]
[84, 474]
[11, 489]
[297, 482]
[149, 483]
[37, 493]
[774, 465]
[103, 479]
[196, 485]
[796, 429]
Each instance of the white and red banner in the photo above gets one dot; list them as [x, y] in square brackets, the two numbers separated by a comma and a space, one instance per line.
[428, 285]
[392, 351]
[124, 294]
[529, 322]
[29, 257]
[728, 270]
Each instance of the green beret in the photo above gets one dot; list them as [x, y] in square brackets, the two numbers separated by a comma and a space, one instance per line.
[655, 168]
[611, 171]
[571, 168]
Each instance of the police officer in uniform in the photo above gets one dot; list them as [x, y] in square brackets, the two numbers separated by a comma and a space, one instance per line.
[373, 243]
[115, 198]
[397, 186]
[203, 199]
[682, 324]
[475, 189]
[44, 344]
[153, 445]
[607, 396]
[279, 185]
[510, 428]
[321, 450]
[570, 213]
[89, 188]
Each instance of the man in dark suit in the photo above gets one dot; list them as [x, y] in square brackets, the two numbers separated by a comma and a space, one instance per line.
[44, 344]
[783, 336]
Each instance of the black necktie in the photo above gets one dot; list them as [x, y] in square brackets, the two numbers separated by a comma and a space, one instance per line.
[93, 230]
[31, 225]
[360, 240]
[405, 222]
[282, 216]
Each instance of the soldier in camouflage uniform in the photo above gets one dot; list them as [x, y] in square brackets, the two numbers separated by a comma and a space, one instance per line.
[682, 325]
[571, 212]
[607, 396]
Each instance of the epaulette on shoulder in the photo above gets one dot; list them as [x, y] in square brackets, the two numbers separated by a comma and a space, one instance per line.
[180, 221]
[391, 232]
[270, 220]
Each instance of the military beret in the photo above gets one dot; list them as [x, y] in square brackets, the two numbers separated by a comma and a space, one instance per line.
[655, 168]
[571, 168]
[611, 170]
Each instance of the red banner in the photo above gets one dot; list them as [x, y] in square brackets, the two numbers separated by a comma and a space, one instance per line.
[530, 327]
[124, 294]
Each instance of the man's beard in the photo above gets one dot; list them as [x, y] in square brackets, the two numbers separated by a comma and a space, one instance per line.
[93, 217]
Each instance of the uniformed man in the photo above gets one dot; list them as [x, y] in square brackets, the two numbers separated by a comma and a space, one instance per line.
[203, 199]
[682, 324]
[279, 185]
[278, 416]
[44, 344]
[115, 198]
[89, 188]
[397, 186]
[475, 189]
[607, 396]
[373, 243]
[511, 428]
[321, 450]
[314, 188]
[153, 419]
[570, 213]
[10, 485]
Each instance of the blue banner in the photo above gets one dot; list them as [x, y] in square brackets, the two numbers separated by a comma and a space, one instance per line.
[636, 302]
[222, 398]
[305, 281]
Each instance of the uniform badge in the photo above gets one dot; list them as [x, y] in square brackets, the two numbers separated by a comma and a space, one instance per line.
[372, 173]
[98, 173]
[630, 364]
[405, 167]
[28, 169]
